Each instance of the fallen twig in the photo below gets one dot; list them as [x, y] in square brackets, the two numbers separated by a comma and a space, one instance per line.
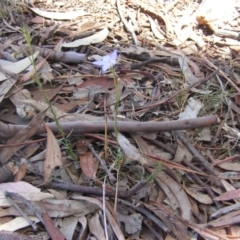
[12, 198]
[126, 24]
[199, 181]
[162, 101]
[103, 164]
[66, 57]
[201, 227]
[9, 130]
[91, 190]
[221, 73]
[195, 153]
[147, 213]
[148, 61]
[198, 170]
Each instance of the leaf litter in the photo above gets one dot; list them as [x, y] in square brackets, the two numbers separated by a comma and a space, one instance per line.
[146, 95]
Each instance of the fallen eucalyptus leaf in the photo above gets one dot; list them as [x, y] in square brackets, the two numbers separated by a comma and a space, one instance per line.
[60, 15]
[96, 38]
[17, 67]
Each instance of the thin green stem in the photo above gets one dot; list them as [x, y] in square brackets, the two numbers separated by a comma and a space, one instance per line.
[119, 156]
[37, 80]
[153, 176]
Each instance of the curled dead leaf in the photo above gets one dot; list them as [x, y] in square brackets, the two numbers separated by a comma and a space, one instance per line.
[53, 154]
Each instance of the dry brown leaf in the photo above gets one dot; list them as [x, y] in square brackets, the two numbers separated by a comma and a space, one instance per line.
[86, 25]
[95, 227]
[46, 72]
[21, 136]
[182, 153]
[96, 38]
[38, 20]
[237, 99]
[225, 210]
[131, 152]
[17, 223]
[31, 196]
[25, 189]
[20, 95]
[226, 220]
[233, 194]
[200, 197]
[19, 187]
[6, 86]
[55, 208]
[70, 173]
[182, 198]
[207, 235]
[20, 173]
[155, 29]
[16, 236]
[115, 225]
[81, 147]
[62, 116]
[133, 222]
[89, 164]
[53, 154]
[17, 67]
[32, 72]
[235, 230]
[59, 15]
[53, 231]
[50, 92]
[83, 222]
[177, 227]
[231, 166]
[68, 227]
[188, 74]
[173, 202]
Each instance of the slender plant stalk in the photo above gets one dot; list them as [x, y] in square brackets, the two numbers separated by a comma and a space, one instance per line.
[119, 156]
[37, 80]
[157, 170]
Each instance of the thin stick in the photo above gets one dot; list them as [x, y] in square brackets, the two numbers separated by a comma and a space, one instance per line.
[104, 209]
[91, 190]
[126, 24]
[195, 153]
[112, 179]
[147, 213]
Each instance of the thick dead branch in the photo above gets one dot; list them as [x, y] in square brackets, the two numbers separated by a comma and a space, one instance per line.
[9, 130]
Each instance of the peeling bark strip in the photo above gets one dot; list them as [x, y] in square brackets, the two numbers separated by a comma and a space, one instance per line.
[8, 130]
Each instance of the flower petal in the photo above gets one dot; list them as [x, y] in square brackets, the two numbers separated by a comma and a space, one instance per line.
[113, 57]
[105, 68]
[107, 61]
[98, 62]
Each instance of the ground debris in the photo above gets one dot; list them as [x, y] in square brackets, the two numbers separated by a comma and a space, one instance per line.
[119, 120]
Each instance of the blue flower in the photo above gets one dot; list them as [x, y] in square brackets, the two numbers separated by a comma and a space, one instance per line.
[107, 61]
